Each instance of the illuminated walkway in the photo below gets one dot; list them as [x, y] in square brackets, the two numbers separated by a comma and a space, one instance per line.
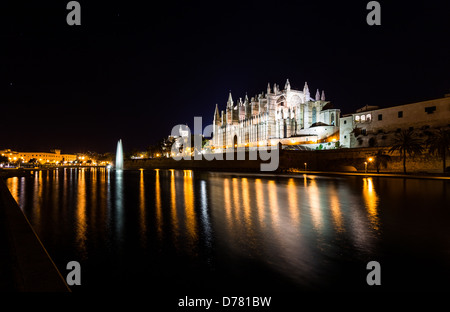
[373, 174]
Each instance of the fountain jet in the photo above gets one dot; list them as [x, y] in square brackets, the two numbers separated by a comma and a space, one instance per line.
[119, 156]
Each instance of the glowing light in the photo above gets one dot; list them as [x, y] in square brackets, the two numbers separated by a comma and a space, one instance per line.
[371, 201]
[119, 156]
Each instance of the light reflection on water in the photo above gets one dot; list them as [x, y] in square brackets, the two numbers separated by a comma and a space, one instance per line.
[300, 231]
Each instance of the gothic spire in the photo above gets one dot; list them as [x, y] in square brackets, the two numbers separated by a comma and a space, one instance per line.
[317, 95]
[216, 112]
[230, 100]
[268, 88]
[287, 86]
[322, 98]
[306, 91]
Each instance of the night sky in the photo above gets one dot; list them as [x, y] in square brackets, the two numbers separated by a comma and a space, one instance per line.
[133, 72]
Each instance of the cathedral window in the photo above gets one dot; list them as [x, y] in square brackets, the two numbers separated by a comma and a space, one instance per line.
[363, 118]
[357, 118]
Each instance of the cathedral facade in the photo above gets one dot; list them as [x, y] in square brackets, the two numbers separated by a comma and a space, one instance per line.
[288, 116]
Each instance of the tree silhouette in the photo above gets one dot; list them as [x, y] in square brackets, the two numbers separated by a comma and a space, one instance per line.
[381, 160]
[406, 143]
[438, 144]
[3, 159]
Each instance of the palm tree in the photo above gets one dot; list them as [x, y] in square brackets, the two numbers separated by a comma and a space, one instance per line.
[406, 143]
[438, 143]
[381, 160]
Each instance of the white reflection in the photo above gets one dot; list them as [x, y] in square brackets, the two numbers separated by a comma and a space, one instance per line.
[119, 203]
[314, 204]
[22, 197]
[204, 209]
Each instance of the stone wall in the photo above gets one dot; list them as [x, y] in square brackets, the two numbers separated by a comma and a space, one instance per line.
[321, 160]
[346, 159]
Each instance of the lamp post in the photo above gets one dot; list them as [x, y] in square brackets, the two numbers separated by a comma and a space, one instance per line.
[305, 166]
[370, 159]
[365, 165]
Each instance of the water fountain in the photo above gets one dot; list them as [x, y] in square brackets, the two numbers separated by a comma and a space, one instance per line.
[119, 156]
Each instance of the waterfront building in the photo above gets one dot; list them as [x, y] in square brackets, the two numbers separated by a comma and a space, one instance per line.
[288, 116]
[52, 157]
[374, 126]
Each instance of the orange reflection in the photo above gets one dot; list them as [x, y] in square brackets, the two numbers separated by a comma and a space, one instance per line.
[93, 188]
[236, 200]
[103, 198]
[173, 204]
[260, 201]
[81, 225]
[273, 203]
[246, 202]
[142, 206]
[13, 186]
[336, 210]
[158, 203]
[227, 200]
[55, 193]
[37, 199]
[191, 223]
[293, 202]
[371, 200]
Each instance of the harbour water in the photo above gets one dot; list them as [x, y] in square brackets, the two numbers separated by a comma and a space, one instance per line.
[205, 231]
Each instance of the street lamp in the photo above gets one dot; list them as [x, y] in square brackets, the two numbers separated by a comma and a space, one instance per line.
[370, 159]
[305, 166]
[365, 164]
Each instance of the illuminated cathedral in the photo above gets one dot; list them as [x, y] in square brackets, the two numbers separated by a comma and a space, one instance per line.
[288, 116]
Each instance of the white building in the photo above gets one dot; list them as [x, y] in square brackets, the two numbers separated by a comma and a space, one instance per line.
[373, 126]
[289, 116]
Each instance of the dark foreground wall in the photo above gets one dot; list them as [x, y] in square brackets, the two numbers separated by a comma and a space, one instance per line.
[324, 160]
[25, 264]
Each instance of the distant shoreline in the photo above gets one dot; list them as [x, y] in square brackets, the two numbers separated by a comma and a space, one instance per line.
[23, 172]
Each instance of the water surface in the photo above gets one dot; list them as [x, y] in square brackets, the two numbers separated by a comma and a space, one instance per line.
[186, 230]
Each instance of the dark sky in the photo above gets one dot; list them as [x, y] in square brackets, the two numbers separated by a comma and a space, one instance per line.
[133, 72]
